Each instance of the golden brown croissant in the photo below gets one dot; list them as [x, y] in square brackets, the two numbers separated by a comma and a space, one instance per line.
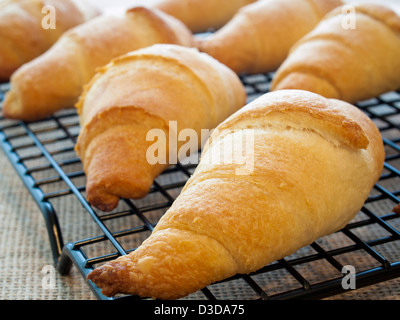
[311, 166]
[260, 35]
[26, 31]
[55, 80]
[202, 15]
[343, 62]
[170, 88]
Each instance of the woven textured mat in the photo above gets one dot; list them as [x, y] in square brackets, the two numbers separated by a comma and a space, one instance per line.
[26, 263]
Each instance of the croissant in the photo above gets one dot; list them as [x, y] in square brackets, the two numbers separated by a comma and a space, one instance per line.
[26, 31]
[341, 61]
[260, 35]
[308, 167]
[202, 15]
[168, 88]
[55, 80]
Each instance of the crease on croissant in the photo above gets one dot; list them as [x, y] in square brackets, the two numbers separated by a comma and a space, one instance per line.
[187, 228]
[88, 132]
[95, 128]
[354, 137]
[338, 40]
[338, 127]
[105, 194]
[316, 72]
[240, 261]
[129, 58]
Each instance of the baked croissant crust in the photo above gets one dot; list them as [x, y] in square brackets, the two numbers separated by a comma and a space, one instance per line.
[55, 80]
[351, 56]
[202, 15]
[260, 35]
[312, 165]
[22, 35]
[169, 88]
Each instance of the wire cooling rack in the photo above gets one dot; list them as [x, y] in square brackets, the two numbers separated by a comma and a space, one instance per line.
[43, 156]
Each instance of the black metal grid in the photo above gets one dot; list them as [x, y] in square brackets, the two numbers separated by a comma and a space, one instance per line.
[42, 154]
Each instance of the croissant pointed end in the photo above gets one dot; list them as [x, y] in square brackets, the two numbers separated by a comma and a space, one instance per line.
[17, 107]
[110, 162]
[100, 198]
[109, 278]
[163, 266]
[105, 203]
[11, 107]
[105, 194]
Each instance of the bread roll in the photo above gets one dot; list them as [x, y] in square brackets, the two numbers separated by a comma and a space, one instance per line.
[24, 34]
[260, 35]
[55, 80]
[314, 162]
[350, 55]
[144, 90]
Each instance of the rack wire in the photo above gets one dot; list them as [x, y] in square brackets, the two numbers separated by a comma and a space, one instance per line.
[43, 156]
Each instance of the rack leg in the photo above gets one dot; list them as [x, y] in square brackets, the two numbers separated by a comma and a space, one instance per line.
[53, 230]
[64, 263]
